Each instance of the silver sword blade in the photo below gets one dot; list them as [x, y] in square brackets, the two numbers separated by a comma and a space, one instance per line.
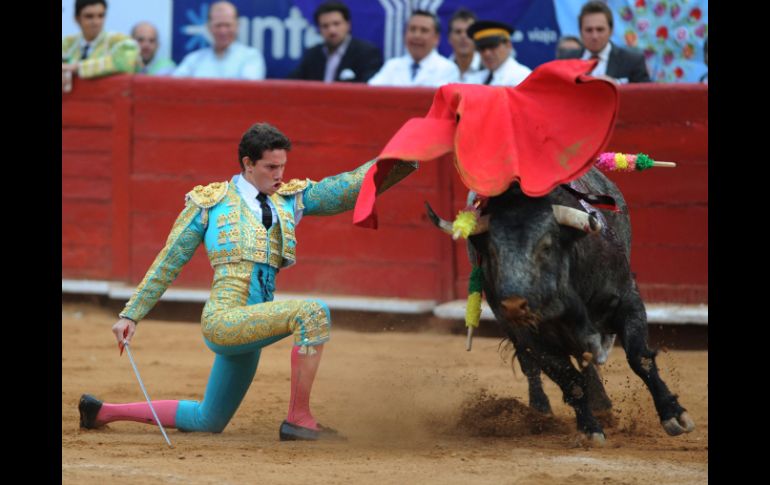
[146, 396]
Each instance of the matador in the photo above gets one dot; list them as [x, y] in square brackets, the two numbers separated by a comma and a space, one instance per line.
[247, 226]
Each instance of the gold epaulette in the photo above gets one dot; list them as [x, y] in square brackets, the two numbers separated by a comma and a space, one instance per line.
[208, 196]
[293, 186]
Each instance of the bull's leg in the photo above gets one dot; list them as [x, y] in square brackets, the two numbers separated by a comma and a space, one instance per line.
[633, 334]
[573, 385]
[598, 400]
[588, 337]
[537, 398]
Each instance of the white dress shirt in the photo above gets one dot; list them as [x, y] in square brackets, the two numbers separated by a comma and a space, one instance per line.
[237, 62]
[510, 73]
[249, 194]
[470, 75]
[604, 58]
[435, 70]
[333, 60]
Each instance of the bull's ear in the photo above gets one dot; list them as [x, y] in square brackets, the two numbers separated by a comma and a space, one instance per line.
[567, 216]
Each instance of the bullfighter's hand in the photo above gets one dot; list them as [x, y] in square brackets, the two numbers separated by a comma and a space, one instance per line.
[119, 329]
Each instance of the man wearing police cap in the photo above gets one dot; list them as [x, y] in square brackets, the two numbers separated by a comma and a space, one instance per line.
[493, 41]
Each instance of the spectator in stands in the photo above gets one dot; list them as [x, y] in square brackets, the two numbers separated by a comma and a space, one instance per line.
[94, 52]
[705, 78]
[423, 65]
[463, 51]
[568, 47]
[247, 226]
[339, 57]
[226, 58]
[616, 63]
[146, 35]
[493, 41]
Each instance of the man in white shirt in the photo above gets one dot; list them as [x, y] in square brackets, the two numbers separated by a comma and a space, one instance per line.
[493, 41]
[226, 58]
[423, 65]
[464, 52]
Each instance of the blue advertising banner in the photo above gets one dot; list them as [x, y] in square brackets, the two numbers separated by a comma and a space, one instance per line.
[282, 29]
[537, 34]
[671, 33]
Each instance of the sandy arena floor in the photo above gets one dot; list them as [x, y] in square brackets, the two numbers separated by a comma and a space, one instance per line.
[397, 396]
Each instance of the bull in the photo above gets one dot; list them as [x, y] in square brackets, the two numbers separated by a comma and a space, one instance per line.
[556, 274]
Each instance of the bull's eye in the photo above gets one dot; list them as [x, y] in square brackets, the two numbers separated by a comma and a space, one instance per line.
[545, 244]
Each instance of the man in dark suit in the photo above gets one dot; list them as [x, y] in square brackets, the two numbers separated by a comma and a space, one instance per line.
[615, 62]
[340, 57]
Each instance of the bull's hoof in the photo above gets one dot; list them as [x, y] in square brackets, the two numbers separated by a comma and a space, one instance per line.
[676, 426]
[595, 439]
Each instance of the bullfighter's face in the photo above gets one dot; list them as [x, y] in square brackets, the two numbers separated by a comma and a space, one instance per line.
[266, 174]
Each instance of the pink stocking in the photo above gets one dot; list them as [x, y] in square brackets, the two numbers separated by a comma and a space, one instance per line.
[139, 412]
[303, 371]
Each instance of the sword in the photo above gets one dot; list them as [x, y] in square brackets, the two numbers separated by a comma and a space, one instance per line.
[141, 384]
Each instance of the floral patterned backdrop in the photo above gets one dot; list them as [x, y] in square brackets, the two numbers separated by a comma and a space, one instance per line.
[670, 33]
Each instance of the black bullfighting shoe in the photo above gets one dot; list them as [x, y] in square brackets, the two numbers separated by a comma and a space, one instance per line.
[293, 432]
[89, 407]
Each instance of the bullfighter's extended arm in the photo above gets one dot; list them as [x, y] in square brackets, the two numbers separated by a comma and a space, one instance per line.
[338, 193]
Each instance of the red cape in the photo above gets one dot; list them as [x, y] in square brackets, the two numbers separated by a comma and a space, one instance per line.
[546, 131]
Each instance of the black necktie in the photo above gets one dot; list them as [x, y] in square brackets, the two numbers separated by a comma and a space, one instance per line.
[415, 68]
[489, 78]
[267, 214]
[85, 51]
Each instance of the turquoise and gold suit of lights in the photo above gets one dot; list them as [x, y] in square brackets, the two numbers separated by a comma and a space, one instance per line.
[240, 316]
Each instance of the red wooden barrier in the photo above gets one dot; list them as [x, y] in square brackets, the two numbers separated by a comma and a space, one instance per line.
[133, 146]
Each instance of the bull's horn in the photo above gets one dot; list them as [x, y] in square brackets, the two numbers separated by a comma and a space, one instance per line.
[481, 226]
[445, 226]
[576, 218]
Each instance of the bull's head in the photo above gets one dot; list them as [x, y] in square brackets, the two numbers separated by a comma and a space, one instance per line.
[525, 245]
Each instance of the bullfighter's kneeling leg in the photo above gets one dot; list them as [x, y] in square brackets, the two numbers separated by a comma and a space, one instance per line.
[95, 413]
[229, 380]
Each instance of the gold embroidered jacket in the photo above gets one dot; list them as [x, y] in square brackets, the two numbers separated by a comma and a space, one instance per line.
[217, 216]
[110, 53]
